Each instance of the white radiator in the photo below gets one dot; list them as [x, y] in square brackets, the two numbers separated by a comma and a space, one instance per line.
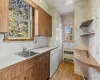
[68, 55]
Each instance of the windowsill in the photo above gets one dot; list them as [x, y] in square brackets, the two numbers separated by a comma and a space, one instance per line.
[69, 41]
[8, 40]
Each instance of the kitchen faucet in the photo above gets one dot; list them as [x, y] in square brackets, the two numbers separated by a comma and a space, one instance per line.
[24, 49]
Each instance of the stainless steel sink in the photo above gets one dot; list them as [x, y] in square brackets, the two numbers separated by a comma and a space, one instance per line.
[27, 54]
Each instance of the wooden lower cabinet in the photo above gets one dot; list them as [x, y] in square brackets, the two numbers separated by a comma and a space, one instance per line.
[24, 76]
[17, 78]
[37, 68]
[47, 68]
[44, 69]
[7, 75]
[32, 73]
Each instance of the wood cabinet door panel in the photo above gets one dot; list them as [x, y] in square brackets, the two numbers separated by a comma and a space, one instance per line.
[38, 72]
[47, 68]
[42, 22]
[42, 70]
[32, 3]
[1, 76]
[7, 75]
[4, 16]
[17, 78]
[16, 70]
[24, 76]
[32, 73]
[26, 65]
[49, 26]
[33, 62]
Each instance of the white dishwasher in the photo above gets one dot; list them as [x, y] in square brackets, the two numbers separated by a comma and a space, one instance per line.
[53, 62]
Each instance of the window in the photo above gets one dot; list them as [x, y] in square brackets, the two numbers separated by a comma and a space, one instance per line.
[20, 21]
[69, 34]
[69, 2]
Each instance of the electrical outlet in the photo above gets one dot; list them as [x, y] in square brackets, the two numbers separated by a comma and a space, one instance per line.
[35, 41]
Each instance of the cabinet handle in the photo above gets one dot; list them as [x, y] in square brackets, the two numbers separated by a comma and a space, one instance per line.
[45, 64]
[25, 78]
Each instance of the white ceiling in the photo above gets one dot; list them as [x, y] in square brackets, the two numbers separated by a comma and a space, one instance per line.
[61, 6]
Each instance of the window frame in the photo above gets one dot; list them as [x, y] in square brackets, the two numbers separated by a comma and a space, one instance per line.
[72, 33]
[30, 26]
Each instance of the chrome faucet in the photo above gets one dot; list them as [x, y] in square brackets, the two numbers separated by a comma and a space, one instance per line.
[24, 49]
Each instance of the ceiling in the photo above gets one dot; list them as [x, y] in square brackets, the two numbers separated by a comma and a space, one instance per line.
[61, 6]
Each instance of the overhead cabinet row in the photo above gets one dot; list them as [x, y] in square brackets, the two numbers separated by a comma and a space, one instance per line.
[42, 21]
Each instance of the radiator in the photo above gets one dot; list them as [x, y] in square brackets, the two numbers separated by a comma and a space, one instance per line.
[68, 55]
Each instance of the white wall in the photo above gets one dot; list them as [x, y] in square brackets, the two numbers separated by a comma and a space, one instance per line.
[7, 48]
[94, 41]
[59, 35]
[56, 39]
[81, 12]
[88, 9]
[67, 19]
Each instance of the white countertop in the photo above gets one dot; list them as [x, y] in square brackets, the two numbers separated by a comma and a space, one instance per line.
[42, 50]
[6, 61]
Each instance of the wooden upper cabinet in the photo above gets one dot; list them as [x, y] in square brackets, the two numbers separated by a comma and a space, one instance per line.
[4, 16]
[43, 23]
[49, 27]
[32, 3]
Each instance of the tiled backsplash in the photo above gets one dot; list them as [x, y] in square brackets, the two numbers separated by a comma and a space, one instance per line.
[7, 48]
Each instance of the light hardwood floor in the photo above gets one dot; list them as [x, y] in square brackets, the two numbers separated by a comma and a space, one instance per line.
[66, 72]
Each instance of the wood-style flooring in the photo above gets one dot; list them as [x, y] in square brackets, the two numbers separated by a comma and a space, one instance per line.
[66, 72]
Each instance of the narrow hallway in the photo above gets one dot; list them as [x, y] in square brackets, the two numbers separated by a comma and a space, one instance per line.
[66, 72]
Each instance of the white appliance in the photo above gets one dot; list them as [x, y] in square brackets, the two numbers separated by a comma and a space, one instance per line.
[53, 62]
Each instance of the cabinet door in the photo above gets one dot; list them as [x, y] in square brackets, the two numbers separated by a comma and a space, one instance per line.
[47, 68]
[16, 70]
[41, 22]
[17, 78]
[44, 23]
[49, 26]
[38, 70]
[42, 70]
[3, 16]
[24, 76]
[1, 77]
[32, 73]
[26, 65]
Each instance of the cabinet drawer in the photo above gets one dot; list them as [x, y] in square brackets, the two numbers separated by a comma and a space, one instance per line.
[26, 65]
[43, 56]
[40, 58]
[33, 62]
